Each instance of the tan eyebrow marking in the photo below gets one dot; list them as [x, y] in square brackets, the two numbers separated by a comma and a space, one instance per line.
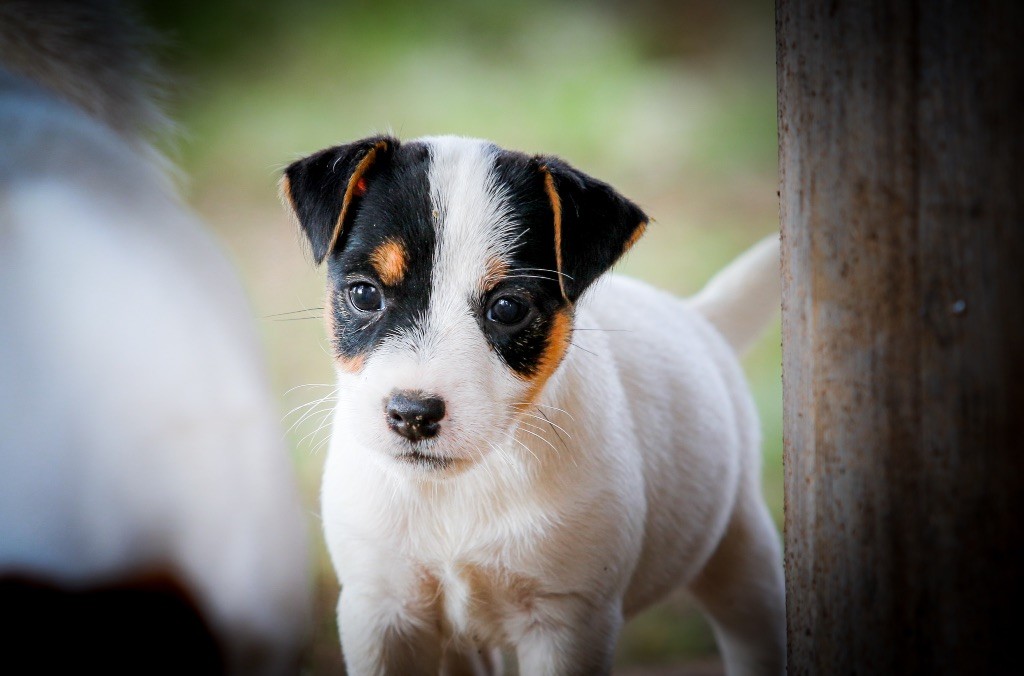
[351, 364]
[390, 260]
[496, 270]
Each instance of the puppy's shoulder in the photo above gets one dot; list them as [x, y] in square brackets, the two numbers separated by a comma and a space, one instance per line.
[650, 333]
[618, 303]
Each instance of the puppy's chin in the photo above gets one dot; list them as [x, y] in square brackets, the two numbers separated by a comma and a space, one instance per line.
[424, 461]
[432, 465]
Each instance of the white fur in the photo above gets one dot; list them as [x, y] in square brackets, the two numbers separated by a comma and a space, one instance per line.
[139, 434]
[741, 299]
[636, 472]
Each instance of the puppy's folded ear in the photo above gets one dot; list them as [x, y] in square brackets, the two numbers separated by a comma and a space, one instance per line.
[594, 224]
[322, 188]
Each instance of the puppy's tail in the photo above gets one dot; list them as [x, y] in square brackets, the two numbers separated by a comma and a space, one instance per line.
[741, 300]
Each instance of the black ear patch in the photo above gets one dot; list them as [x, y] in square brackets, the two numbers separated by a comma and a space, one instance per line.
[321, 188]
[594, 224]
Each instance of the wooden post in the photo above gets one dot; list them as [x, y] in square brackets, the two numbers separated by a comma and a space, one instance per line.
[901, 141]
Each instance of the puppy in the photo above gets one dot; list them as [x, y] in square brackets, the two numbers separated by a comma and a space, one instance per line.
[522, 457]
[149, 519]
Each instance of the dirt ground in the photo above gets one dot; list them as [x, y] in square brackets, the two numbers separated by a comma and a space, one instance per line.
[711, 667]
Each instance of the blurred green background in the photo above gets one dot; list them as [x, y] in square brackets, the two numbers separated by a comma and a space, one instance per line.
[671, 102]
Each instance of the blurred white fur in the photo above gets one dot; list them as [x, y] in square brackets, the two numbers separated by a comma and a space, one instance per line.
[139, 433]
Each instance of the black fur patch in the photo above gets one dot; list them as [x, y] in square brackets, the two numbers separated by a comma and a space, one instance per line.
[595, 224]
[317, 185]
[532, 266]
[396, 207]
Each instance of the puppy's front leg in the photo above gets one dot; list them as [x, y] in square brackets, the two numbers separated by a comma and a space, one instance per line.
[580, 641]
[383, 636]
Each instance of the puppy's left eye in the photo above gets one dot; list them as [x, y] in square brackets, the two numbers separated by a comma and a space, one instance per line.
[507, 310]
[365, 297]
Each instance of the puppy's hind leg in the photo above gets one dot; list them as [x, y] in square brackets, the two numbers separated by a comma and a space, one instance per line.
[742, 590]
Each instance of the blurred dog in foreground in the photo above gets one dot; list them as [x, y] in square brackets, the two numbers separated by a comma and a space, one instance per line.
[522, 456]
[149, 520]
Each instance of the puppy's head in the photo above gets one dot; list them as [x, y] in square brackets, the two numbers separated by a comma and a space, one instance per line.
[453, 268]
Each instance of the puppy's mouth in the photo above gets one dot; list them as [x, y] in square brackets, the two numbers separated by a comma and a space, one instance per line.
[436, 462]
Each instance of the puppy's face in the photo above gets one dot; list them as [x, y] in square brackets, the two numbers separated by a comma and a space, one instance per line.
[453, 266]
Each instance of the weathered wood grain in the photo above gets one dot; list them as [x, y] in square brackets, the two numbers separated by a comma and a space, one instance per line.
[902, 204]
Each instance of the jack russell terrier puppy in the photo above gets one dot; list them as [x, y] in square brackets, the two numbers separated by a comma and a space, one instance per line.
[494, 482]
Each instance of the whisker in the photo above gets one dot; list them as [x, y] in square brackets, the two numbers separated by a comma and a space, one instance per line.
[546, 279]
[315, 402]
[528, 449]
[553, 427]
[316, 449]
[524, 233]
[548, 421]
[330, 400]
[532, 426]
[308, 415]
[302, 406]
[553, 408]
[577, 345]
[324, 425]
[293, 312]
[554, 272]
[557, 454]
[323, 421]
[292, 389]
[327, 396]
[572, 457]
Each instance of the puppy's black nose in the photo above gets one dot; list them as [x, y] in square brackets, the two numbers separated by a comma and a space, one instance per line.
[414, 415]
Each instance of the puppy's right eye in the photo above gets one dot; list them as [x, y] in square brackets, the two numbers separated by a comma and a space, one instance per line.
[507, 310]
[365, 297]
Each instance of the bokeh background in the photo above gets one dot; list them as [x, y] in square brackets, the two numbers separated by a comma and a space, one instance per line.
[671, 102]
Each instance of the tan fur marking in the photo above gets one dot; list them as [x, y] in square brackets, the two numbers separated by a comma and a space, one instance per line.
[352, 365]
[389, 260]
[361, 168]
[488, 591]
[284, 192]
[497, 269]
[491, 588]
[556, 207]
[284, 188]
[557, 345]
[637, 234]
